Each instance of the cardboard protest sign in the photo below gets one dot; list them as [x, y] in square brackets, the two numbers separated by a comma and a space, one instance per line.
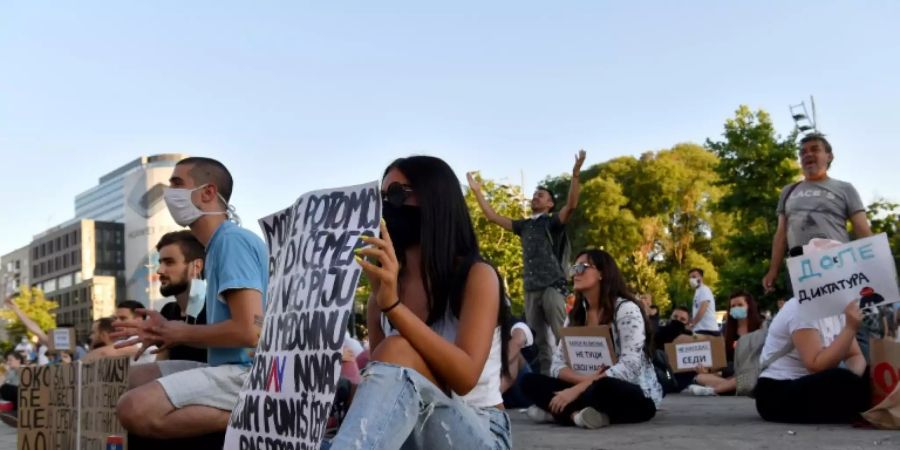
[287, 397]
[825, 281]
[885, 368]
[588, 348]
[48, 402]
[62, 339]
[686, 353]
[102, 383]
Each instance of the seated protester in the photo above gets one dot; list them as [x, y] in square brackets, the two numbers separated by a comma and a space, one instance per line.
[742, 318]
[627, 392]
[181, 259]
[103, 345]
[676, 326]
[810, 384]
[190, 399]
[511, 383]
[9, 390]
[435, 321]
[128, 310]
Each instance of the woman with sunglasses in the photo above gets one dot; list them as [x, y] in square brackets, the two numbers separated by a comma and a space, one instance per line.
[627, 392]
[434, 317]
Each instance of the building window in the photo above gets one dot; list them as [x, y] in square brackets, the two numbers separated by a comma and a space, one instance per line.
[43, 250]
[34, 253]
[50, 247]
[59, 243]
[76, 237]
[66, 241]
[36, 270]
[18, 264]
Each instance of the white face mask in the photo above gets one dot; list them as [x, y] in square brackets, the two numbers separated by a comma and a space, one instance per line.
[182, 208]
[196, 298]
[694, 282]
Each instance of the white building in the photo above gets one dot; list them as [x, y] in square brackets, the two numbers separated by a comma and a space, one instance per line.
[133, 195]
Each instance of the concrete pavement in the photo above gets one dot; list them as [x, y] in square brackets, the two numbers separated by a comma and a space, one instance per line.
[685, 422]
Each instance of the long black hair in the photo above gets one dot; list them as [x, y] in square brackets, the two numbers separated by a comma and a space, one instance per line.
[447, 240]
[612, 287]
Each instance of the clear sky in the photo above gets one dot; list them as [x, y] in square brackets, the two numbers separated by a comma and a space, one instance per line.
[294, 96]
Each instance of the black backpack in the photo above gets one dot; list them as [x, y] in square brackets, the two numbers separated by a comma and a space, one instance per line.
[562, 248]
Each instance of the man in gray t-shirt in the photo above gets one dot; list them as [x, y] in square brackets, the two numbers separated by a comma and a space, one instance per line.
[816, 207]
[544, 279]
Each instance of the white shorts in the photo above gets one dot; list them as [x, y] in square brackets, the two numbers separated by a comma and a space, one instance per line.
[191, 383]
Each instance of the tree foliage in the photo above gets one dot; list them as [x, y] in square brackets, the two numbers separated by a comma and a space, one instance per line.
[884, 217]
[33, 303]
[754, 165]
[498, 246]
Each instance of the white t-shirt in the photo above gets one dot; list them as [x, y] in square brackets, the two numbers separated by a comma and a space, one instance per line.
[786, 322]
[708, 322]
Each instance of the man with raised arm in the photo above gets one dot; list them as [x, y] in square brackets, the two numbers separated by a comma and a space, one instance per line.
[544, 276]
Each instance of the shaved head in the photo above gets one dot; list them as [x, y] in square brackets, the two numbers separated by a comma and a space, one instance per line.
[210, 171]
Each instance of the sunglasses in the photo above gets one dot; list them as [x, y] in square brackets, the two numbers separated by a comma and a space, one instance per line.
[397, 194]
[579, 269]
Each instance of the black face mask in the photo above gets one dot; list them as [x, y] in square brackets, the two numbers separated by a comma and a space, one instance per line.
[404, 223]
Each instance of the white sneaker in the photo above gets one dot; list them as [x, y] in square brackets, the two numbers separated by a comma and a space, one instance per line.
[591, 419]
[538, 415]
[701, 391]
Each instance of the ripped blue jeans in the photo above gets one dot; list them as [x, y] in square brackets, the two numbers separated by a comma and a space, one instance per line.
[397, 408]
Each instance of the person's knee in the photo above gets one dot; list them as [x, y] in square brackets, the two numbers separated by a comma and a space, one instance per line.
[398, 351]
[129, 413]
[142, 374]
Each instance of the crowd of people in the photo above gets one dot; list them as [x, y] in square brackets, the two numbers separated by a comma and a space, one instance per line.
[444, 358]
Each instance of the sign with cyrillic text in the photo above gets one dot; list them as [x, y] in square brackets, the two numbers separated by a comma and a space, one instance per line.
[287, 397]
[825, 281]
[48, 402]
[687, 353]
[62, 340]
[102, 383]
[71, 405]
[588, 349]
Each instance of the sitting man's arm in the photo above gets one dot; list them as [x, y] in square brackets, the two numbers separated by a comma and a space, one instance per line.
[241, 330]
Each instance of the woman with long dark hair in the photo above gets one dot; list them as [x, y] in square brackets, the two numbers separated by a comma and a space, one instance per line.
[435, 323]
[743, 318]
[627, 392]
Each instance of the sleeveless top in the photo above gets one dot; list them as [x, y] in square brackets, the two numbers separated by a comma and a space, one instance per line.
[486, 392]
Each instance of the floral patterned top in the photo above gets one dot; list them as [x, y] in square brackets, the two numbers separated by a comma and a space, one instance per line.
[633, 364]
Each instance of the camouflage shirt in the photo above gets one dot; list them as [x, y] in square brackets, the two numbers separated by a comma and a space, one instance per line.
[541, 269]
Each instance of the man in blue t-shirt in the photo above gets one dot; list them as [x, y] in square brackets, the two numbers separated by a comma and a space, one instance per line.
[191, 398]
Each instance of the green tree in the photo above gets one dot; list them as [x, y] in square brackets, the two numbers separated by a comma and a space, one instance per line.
[654, 212]
[34, 306]
[754, 165]
[643, 278]
[884, 217]
[498, 246]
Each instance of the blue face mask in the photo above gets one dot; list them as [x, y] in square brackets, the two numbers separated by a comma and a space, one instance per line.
[738, 312]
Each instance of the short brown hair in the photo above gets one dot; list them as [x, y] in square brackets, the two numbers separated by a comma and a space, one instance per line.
[187, 242]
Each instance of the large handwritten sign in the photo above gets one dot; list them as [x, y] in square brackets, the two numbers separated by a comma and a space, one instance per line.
[288, 394]
[48, 401]
[826, 280]
[102, 383]
[588, 349]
